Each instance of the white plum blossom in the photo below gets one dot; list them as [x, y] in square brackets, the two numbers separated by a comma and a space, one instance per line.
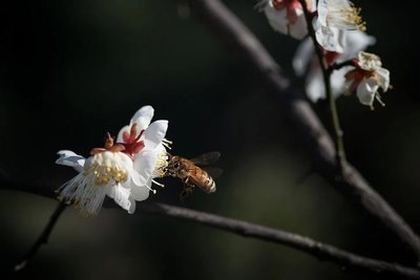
[287, 16]
[152, 159]
[335, 18]
[117, 170]
[367, 78]
[305, 61]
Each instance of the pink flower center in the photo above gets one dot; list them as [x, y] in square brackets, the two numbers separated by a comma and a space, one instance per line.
[131, 140]
[330, 56]
[355, 76]
[131, 143]
[292, 8]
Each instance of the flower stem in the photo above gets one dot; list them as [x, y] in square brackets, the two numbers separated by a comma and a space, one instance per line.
[42, 239]
[326, 74]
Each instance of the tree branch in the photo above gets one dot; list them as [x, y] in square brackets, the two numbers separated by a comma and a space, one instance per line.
[43, 238]
[317, 249]
[312, 247]
[340, 153]
[295, 106]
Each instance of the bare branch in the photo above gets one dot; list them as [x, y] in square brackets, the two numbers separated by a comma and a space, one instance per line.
[296, 107]
[317, 249]
[43, 238]
[312, 247]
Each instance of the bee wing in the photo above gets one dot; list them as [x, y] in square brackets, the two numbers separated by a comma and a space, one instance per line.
[214, 172]
[207, 158]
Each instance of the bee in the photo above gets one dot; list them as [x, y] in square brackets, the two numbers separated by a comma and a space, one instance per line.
[193, 173]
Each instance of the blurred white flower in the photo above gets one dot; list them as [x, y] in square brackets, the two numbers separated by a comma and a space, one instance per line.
[286, 16]
[305, 61]
[123, 170]
[367, 78]
[335, 17]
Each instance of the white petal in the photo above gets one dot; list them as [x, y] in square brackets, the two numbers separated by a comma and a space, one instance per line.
[143, 116]
[355, 42]
[299, 30]
[303, 56]
[120, 134]
[331, 39]
[338, 81]
[315, 85]
[141, 193]
[120, 195]
[123, 160]
[277, 19]
[382, 76]
[132, 208]
[137, 178]
[155, 133]
[322, 11]
[366, 91]
[69, 158]
[145, 164]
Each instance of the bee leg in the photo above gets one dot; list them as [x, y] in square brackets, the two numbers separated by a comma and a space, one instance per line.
[186, 192]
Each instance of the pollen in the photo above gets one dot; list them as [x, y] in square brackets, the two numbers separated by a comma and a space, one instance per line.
[161, 165]
[106, 174]
[347, 16]
[352, 16]
[106, 169]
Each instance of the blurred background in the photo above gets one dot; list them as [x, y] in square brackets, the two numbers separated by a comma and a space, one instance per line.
[72, 70]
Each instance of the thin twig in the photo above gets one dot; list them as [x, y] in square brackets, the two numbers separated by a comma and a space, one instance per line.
[317, 249]
[339, 65]
[307, 245]
[294, 106]
[326, 75]
[43, 238]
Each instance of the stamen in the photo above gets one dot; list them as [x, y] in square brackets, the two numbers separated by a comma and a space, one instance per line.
[150, 189]
[379, 99]
[157, 183]
[346, 17]
[166, 143]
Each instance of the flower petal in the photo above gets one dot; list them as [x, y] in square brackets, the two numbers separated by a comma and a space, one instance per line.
[338, 81]
[143, 117]
[382, 76]
[141, 193]
[355, 42]
[330, 38]
[120, 195]
[366, 91]
[322, 11]
[155, 133]
[145, 163]
[298, 30]
[69, 158]
[277, 18]
[315, 85]
[132, 208]
[303, 56]
[125, 129]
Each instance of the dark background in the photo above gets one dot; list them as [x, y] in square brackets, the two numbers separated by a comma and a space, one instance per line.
[72, 70]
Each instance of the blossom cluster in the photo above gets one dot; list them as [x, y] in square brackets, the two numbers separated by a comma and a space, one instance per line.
[339, 31]
[123, 170]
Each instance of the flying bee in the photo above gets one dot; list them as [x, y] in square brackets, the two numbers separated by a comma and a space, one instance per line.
[193, 173]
